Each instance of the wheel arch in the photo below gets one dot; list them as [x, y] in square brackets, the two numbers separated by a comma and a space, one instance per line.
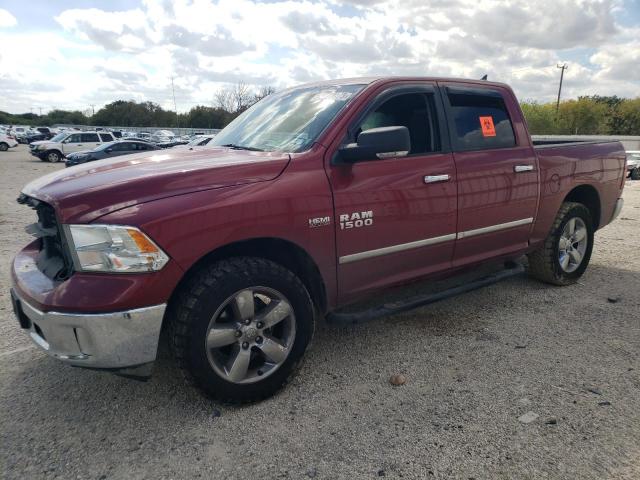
[588, 196]
[284, 252]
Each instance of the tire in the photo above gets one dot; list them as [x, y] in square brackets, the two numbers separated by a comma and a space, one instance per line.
[555, 262]
[53, 156]
[212, 302]
[635, 174]
[4, 147]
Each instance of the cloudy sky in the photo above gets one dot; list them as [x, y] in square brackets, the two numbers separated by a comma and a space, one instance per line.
[74, 53]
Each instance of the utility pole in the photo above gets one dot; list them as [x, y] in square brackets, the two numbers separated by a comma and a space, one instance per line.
[175, 109]
[564, 66]
[93, 109]
[40, 108]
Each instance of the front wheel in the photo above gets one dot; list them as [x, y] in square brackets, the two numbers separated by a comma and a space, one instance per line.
[4, 147]
[240, 327]
[53, 156]
[635, 173]
[565, 254]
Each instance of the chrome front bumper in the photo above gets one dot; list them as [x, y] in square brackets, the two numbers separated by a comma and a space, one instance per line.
[102, 340]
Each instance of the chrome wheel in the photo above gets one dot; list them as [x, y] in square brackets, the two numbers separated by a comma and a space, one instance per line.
[53, 157]
[572, 245]
[251, 335]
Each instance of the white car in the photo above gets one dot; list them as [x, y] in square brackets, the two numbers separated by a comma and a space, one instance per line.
[64, 143]
[162, 136]
[198, 141]
[7, 142]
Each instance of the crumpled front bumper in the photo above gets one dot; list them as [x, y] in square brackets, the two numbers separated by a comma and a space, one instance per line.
[115, 340]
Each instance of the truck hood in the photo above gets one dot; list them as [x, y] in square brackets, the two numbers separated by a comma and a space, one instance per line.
[85, 192]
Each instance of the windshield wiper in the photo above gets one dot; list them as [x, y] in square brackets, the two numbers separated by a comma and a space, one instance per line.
[242, 147]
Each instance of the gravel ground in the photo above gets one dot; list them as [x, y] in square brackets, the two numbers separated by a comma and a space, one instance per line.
[518, 380]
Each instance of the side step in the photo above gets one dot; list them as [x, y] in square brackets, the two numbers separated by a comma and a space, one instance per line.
[511, 270]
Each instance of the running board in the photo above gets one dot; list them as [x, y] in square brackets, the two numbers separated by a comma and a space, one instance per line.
[511, 270]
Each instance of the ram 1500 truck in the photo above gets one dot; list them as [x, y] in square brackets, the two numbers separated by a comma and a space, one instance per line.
[313, 198]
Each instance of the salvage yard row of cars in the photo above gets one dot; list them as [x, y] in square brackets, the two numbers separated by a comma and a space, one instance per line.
[84, 146]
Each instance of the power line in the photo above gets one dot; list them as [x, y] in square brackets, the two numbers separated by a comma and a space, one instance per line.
[563, 67]
[175, 108]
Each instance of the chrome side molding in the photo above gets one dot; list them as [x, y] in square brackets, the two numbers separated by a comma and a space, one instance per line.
[395, 248]
[354, 257]
[495, 228]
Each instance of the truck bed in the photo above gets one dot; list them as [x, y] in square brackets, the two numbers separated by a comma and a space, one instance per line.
[594, 165]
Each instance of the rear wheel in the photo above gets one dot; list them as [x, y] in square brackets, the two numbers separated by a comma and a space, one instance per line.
[240, 327]
[565, 255]
[53, 156]
[4, 147]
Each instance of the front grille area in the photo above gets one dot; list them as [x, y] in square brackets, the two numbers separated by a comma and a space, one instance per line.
[53, 259]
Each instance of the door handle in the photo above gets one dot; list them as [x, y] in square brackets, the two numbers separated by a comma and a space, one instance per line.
[523, 168]
[436, 178]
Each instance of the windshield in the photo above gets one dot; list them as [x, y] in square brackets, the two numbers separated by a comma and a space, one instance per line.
[59, 137]
[289, 121]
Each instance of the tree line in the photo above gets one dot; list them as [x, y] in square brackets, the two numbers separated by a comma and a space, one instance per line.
[227, 104]
[588, 115]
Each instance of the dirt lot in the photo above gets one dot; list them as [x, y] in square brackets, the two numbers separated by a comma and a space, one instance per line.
[478, 367]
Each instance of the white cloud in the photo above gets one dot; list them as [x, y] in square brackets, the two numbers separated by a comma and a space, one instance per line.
[6, 19]
[97, 56]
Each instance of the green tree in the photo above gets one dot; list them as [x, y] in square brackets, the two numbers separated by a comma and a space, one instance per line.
[541, 118]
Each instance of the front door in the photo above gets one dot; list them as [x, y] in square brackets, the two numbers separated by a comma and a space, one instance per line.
[395, 217]
[497, 172]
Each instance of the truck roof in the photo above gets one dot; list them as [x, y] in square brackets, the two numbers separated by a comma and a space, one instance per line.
[391, 78]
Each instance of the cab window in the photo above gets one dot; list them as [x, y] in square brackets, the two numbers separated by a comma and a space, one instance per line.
[481, 120]
[416, 111]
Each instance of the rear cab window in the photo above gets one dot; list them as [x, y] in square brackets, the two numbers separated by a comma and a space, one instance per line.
[479, 119]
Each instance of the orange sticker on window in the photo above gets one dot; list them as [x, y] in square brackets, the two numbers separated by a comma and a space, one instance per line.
[488, 129]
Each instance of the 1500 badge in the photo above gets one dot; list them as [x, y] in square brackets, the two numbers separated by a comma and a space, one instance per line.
[356, 220]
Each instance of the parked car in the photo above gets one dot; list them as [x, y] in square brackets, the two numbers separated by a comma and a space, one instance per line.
[199, 141]
[7, 142]
[175, 141]
[108, 150]
[64, 143]
[237, 250]
[162, 136]
[633, 164]
[46, 131]
[21, 133]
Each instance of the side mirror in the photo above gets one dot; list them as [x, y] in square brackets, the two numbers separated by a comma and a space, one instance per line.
[109, 150]
[383, 142]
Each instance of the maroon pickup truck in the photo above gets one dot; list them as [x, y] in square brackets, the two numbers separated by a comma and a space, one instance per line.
[314, 198]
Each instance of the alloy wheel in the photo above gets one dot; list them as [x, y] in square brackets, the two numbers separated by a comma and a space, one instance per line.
[251, 335]
[572, 245]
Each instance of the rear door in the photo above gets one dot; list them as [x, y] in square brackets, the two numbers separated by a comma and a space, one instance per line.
[497, 172]
[395, 217]
[82, 141]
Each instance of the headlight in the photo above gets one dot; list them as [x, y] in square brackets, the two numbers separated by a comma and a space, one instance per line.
[113, 248]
